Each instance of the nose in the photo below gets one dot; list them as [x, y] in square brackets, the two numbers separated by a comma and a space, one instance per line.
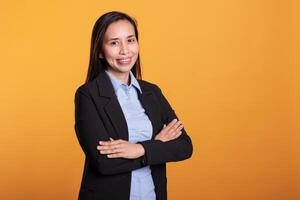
[124, 48]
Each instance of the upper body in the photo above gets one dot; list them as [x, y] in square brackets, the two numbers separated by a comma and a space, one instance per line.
[99, 116]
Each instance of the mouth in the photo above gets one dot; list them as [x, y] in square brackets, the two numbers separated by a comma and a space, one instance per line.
[124, 60]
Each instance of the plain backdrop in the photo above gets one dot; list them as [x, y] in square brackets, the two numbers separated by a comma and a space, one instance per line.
[230, 70]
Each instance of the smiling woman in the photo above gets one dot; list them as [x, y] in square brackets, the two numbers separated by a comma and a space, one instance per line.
[125, 126]
[120, 48]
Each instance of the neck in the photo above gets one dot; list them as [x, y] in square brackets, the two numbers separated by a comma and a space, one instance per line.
[123, 77]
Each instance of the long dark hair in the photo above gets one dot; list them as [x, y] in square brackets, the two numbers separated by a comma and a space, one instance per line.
[98, 65]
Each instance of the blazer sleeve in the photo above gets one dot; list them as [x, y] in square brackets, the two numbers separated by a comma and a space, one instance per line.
[90, 130]
[158, 152]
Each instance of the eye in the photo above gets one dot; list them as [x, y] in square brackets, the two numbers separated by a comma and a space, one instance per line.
[113, 43]
[131, 40]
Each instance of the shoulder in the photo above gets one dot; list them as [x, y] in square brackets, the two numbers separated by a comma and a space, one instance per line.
[87, 89]
[146, 85]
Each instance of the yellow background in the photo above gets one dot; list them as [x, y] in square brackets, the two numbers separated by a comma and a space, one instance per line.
[230, 69]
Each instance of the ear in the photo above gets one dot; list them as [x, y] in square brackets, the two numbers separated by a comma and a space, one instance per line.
[101, 56]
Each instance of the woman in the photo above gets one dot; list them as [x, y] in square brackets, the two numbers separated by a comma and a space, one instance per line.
[125, 126]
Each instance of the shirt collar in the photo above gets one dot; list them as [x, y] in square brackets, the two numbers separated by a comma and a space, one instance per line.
[117, 83]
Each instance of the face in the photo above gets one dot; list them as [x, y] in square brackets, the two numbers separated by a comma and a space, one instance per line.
[120, 47]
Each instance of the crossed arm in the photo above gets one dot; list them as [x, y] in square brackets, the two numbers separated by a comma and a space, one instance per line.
[171, 144]
[125, 149]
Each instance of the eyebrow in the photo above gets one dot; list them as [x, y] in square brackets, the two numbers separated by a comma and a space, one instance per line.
[129, 36]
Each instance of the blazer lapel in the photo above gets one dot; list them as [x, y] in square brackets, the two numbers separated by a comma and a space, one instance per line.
[109, 102]
[151, 106]
[111, 106]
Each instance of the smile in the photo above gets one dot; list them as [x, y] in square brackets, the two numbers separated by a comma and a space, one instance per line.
[124, 60]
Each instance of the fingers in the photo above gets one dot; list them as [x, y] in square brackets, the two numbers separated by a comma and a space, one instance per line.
[170, 132]
[117, 149]
[115, 155]
[112, 142]
[111, 151]
[176, 135]
[178, 129]
[171, 124]
[112, 146]
[174, 126]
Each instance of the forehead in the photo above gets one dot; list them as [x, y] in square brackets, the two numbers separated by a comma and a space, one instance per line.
[119, 29]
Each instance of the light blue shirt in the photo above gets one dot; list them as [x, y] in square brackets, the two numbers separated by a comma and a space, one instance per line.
[139, 129]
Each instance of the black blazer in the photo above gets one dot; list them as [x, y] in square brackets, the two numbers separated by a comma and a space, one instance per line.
[98, 116]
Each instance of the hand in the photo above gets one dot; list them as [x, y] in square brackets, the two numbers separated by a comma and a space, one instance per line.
[170, 132]
[121, 149]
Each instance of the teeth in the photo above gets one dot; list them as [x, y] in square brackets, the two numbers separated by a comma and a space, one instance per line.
[124, 60]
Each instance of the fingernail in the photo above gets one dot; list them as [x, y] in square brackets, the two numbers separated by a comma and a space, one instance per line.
[100, 142]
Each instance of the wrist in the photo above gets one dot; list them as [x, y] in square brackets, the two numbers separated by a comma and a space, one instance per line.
[141, 149]
[143, 155]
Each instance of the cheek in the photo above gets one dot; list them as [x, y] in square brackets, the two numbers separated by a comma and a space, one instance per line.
[110, 53]
[135, 49]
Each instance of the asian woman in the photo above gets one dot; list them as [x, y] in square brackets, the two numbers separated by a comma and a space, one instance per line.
[125, 126]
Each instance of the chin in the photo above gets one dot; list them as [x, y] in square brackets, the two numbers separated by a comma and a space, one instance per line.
[125, 68]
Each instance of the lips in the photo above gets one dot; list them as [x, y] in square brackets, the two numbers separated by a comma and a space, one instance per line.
[124, 60]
